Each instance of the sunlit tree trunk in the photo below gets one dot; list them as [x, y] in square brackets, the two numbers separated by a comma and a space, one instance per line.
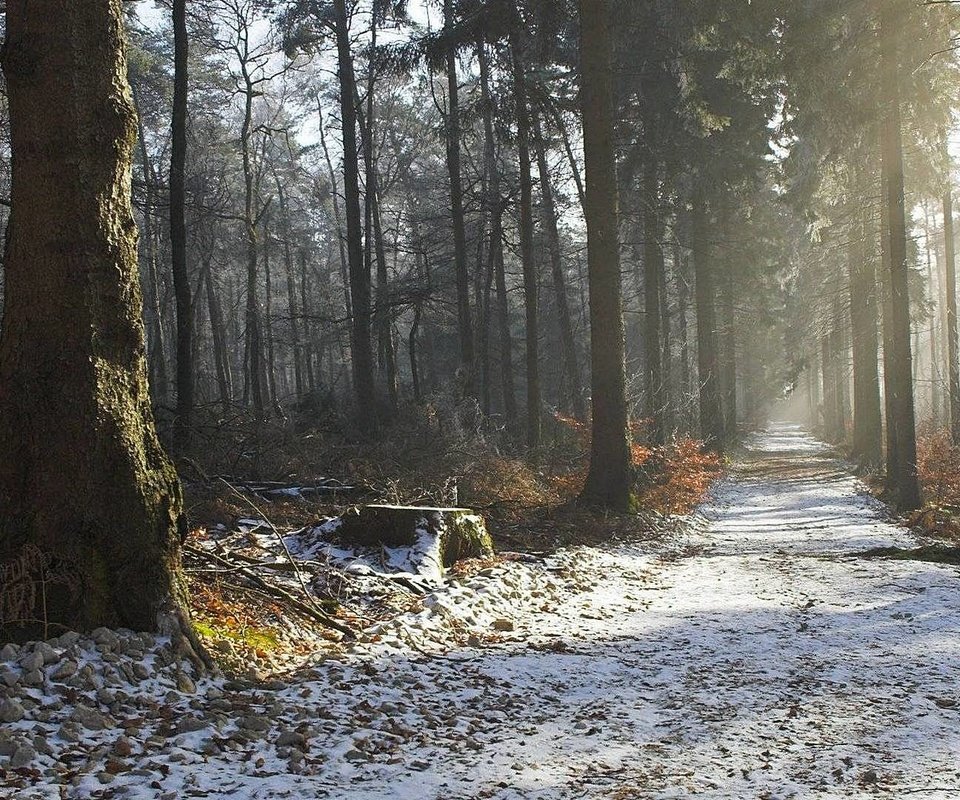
[813, 378]
[89, 504]
[338, 217]
[308, 348]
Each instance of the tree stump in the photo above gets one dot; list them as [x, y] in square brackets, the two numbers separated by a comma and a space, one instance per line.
[456, 533]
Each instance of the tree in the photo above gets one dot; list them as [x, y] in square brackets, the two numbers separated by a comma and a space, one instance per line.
[950, 259]
[609, 478]
[361, 346]
[527, 256]
[568, 346]
[902, 482]
[708, 364]
[178, 225]
[464, 323]
[89, 503]
[867, 425]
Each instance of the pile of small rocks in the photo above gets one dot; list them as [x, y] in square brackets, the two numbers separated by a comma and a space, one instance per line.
[56, 693]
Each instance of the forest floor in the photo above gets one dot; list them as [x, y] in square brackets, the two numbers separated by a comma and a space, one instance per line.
[752, 653]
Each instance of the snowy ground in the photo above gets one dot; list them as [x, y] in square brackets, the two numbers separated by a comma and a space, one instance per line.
[754, 656]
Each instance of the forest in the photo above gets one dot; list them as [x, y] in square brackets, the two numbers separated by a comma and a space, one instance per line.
[460, 399]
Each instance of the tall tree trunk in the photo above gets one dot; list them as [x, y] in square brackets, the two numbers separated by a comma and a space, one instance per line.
[505, 337]
[609, 479]
[711, 414]
[891, 439]
[221, 357]
[491, 204]
[270, 364]
[831, 422]
[571, 158]
[813, 380]
[291, 288]
[932, 333]
[364, 385]
[464, 324]
[652, 267]
[308, 339]
[157, 352]
[527, 256]
[902, 483]
[101, 547]
[666, 356]
[335, 195]
[412, 350]
[950, 260]
[495, 248]
[382, 317]
[568, 344]
[867, 424]
[178, 225]
[683, 300]
[839, 352]
[253, 340]
[728, 360]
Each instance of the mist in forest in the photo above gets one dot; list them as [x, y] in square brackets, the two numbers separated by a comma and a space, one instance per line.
[350, 211]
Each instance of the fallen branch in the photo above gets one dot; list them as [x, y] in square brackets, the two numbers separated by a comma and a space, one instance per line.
[283, 544]
[311, 610]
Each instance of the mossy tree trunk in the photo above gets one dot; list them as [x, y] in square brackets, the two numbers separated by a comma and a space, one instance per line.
[89, 503]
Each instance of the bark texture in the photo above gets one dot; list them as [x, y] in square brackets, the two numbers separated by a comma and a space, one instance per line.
[609, 479]
[89, 504]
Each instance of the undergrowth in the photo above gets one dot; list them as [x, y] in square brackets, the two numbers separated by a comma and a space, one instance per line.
[436, 456]
[527, 498]
[938, 468]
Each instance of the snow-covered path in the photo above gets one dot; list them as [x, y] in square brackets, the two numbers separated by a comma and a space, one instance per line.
[758, 660]
[755, 657]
